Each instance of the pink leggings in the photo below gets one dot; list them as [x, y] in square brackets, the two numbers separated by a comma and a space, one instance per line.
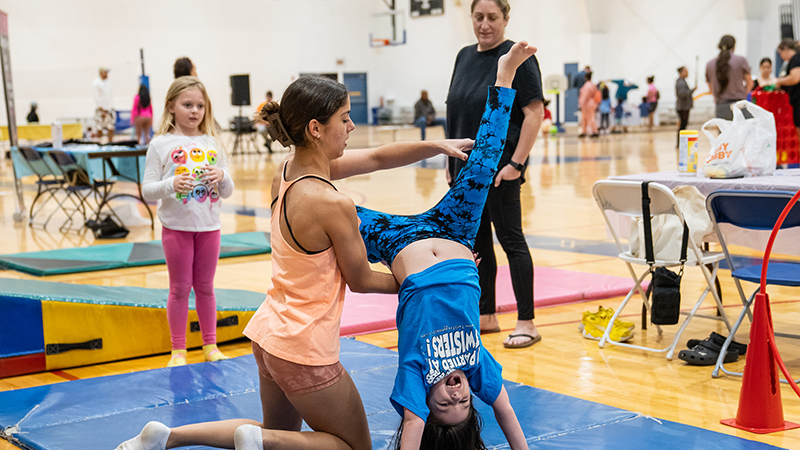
[191, 261]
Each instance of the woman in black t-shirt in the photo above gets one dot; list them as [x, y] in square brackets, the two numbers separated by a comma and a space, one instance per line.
[790, 76]
[475, 69]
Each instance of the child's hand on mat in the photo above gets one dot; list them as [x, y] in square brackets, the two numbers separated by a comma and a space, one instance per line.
[183, 183]
[456, 148]
[212, 175]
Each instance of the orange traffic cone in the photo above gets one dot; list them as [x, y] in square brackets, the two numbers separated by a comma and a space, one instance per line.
[760, 408]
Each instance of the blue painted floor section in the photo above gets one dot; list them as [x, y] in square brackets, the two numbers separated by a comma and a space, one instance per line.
[100, 413]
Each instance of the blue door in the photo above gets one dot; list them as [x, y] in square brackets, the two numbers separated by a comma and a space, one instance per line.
[357, 87]
[571, 96]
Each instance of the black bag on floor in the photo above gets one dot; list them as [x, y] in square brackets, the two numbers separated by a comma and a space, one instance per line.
[109, 229]
[665, 303]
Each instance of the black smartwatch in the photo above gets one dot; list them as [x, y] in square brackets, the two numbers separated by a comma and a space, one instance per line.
[518, 166]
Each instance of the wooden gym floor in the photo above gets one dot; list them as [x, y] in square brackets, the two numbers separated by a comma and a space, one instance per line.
[557, 206]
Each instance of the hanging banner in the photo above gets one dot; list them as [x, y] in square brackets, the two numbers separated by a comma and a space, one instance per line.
[8, 89]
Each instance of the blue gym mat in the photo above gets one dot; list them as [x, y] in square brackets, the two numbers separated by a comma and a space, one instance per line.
[128, 254]
[100, 413]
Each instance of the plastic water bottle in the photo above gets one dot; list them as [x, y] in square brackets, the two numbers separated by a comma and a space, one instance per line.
[57, 134]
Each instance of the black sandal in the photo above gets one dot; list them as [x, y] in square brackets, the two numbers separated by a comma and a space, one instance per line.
[706, 353]
[720, 340]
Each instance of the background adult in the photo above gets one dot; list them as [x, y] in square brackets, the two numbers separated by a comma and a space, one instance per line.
[587, 102]
[684, 101]
[32, 116]
[728, 77]
[104, 117]
[425, 115]
[142, 115]
[183, 67]
[765, 76]
[652, 100]
[475, 69]
[790, 76]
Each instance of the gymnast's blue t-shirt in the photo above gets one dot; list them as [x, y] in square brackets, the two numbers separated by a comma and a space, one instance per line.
[438, 321]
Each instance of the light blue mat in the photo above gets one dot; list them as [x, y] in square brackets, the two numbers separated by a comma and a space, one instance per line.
[100, 413]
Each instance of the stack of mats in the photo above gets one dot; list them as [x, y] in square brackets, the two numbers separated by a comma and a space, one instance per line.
[116, 256]
[58, 325]
[48, 326]
[100, 413]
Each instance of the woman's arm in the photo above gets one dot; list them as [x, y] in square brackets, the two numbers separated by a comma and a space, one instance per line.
[340, 222]
[790, 79]
[413, 427]
[534, 114]
[358, 162]
[507, 419]
[748, 82]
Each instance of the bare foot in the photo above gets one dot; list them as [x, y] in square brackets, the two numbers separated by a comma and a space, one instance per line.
[489, 323]
[523, 327]
[508, 63]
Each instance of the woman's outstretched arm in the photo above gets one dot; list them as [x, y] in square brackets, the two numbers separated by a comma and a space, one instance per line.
[397, 154]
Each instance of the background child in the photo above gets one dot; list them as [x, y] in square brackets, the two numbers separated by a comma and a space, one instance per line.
[186, 171]
[605, 108]
[644, 111]
[547, 122]
[142, 115]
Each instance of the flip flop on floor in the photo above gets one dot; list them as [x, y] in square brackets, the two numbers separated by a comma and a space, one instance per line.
[531, 340]
[490, 330]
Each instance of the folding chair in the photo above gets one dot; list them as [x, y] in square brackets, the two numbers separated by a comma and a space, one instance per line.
[625, 197]
[752, 210]
[48, 183]
[79, 187]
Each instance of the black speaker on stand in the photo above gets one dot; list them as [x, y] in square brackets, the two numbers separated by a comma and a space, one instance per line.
[242, 127]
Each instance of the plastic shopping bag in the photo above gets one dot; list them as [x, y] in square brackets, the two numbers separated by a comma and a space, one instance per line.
[760, 148]
[744, 147]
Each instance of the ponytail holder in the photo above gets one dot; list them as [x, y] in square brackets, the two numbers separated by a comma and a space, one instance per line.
[724, 47]
[277, 131]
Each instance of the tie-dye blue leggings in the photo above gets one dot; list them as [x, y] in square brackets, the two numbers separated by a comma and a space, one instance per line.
[457, 216]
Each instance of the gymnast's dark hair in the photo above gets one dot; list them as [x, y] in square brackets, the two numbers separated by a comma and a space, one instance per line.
[465, 435]
[144, 96]
[763, 60]
[183, 67]
[306, 99]
[725, 46]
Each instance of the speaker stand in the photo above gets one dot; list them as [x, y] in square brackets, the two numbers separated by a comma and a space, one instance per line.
[243, 139]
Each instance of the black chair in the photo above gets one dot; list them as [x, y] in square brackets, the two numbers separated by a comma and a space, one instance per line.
[49, 182]
[79, 187]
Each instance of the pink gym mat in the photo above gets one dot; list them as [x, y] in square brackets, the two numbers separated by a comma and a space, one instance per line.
[369, 313]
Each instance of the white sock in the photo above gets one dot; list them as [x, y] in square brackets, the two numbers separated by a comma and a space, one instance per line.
[248, 437]
[154, 436]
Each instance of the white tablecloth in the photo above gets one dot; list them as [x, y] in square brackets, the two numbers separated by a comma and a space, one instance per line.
[787, 242]
[782, 180]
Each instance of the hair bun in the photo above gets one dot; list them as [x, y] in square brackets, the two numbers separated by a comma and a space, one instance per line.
[271, 114]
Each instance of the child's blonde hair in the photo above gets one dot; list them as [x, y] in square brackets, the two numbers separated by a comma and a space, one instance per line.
[178, 86]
